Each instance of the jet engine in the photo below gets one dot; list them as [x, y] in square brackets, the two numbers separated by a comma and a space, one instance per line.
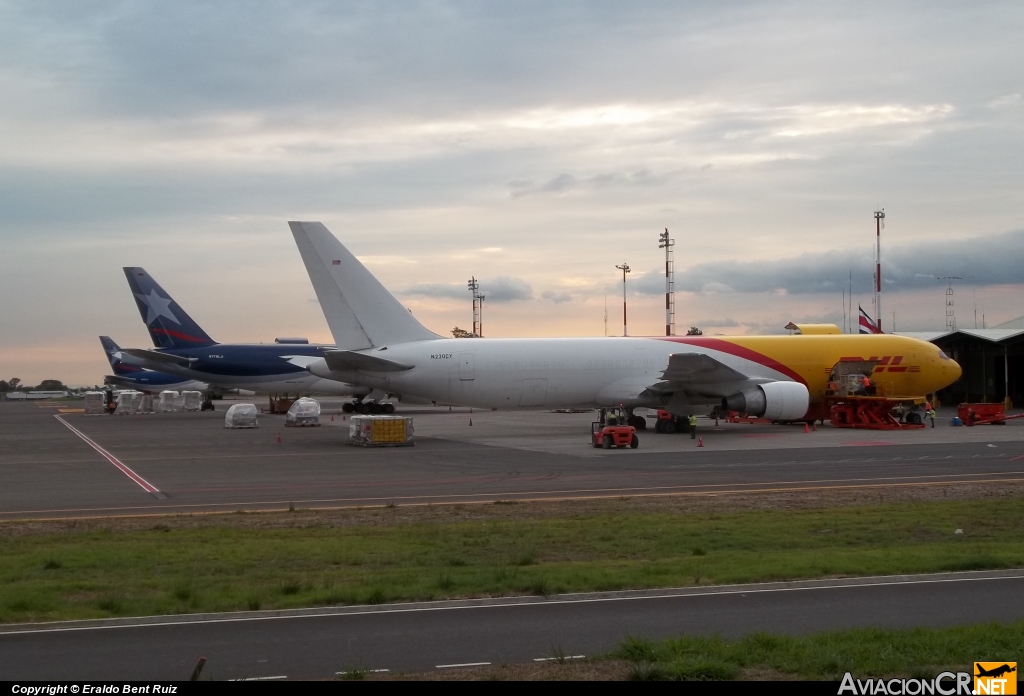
[774, 400]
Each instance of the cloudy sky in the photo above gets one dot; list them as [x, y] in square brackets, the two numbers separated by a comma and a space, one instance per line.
[533, 145]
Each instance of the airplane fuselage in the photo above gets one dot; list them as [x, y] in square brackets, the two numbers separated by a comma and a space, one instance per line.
[263, 368]
[594, 372]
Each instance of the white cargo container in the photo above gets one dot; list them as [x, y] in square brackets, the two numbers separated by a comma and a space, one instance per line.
[146, 404]
[303, 412]
[381, 431]
[241, 416]
[126, 402]
[191, 400]
[169, 401]
[94, 403]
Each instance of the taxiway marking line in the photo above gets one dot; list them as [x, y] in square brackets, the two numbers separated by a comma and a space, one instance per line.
[463, 664]
[143, 483]
[414, 501]
[679, 593]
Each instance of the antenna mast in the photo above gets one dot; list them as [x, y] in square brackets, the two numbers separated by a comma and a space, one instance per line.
[670, 283]
[950, 309]
[879, 216]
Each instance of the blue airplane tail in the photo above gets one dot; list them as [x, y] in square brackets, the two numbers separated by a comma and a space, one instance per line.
[168, 324]
[119, 368]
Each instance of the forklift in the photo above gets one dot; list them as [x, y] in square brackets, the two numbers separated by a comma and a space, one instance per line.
[611, 430]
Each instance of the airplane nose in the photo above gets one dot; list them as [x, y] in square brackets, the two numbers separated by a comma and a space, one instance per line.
[953, 371]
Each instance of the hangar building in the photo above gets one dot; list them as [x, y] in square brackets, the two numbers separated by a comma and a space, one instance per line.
[992, 361]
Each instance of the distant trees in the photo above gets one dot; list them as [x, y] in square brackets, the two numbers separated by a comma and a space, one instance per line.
[462, 333]
[694, 331]
[14, 384]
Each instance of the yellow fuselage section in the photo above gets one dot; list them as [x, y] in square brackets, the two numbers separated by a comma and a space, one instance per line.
[907, 367]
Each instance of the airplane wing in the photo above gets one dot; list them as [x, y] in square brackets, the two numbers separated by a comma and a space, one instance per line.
[691, 369]
[351, 360]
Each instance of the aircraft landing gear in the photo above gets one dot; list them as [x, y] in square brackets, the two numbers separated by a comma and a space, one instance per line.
[638, 422]
[371, 407]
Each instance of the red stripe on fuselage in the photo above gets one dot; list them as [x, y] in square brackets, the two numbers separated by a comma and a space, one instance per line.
[737, 350]
[184, 337]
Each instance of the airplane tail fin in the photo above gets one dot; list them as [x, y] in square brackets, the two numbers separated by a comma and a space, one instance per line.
[112, 349]
[168, 324]
[359, 310]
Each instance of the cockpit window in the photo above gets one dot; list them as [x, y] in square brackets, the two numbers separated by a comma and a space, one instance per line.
[943, 356]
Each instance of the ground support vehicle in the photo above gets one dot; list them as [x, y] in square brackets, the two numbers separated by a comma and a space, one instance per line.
[873, 412]
[670, 423]
[984, 414]
[605, 435]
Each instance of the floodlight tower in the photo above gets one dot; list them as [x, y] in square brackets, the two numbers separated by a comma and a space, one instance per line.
[625, 269]
[879, 225]
[474, 287]
[670, 282]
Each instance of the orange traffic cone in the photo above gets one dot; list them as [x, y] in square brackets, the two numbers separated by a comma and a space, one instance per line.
[278, 438]
[700, 442]
[806, 429]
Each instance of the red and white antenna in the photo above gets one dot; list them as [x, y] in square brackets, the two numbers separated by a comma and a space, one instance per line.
[879, 225]
[664, 242]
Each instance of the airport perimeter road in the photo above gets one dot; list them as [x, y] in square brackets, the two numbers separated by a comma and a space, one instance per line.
[73, 465]
[426, 636]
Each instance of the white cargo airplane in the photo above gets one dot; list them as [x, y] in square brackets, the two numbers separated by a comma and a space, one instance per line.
[381, 345]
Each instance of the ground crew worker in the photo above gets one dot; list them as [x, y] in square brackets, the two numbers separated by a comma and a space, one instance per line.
[931, 414]
[693, 427]
[612, 419]
[868, 387]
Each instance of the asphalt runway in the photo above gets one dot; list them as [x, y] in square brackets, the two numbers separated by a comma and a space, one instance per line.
[56, 465]
[317, 644]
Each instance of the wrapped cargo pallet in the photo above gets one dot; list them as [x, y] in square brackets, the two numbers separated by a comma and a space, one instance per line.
[168, 401]
[303, 412]
[381, 431]
[94, 403]
[137, 402]
[191, 400]
[241, 416]
[146, 404]
[125, 401]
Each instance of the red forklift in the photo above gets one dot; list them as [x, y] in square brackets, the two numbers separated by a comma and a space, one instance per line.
[611, 430]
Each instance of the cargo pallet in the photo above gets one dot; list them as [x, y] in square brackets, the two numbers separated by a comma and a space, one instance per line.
[381, 444]
[868, 412]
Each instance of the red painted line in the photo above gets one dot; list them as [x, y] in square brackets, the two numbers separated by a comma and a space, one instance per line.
[1013, 459]
[146, 485]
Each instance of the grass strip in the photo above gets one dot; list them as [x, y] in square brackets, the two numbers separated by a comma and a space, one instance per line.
[222, 564]
[920, 653]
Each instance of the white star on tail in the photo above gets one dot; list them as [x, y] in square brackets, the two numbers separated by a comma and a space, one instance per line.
[157, 306]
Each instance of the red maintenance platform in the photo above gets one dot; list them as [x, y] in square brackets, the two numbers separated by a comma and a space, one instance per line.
[984, 414]
[872, 412]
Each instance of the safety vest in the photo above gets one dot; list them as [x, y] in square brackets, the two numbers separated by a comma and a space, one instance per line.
[693, 421]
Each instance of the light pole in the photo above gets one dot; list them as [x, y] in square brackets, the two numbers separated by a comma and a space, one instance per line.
[474, 287]
[625, 269]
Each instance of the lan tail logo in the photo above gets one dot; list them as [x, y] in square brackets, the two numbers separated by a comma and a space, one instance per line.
[995, 678]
